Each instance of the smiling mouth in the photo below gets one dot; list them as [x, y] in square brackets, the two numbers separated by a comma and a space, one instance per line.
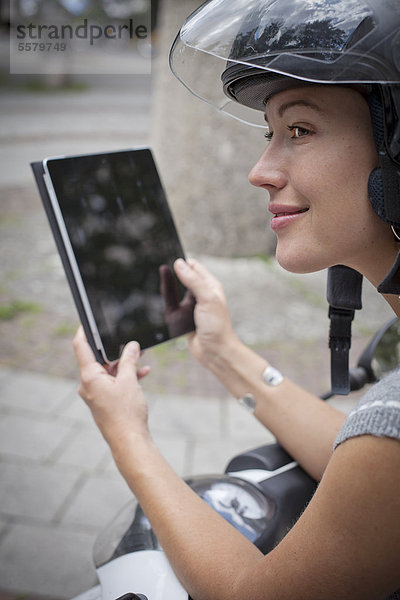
[290, 213]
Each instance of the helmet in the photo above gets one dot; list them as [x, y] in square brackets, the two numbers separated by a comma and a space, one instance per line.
[235, 54]
[261, 47]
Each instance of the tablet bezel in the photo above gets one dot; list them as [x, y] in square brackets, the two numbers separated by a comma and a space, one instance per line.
[67, 252]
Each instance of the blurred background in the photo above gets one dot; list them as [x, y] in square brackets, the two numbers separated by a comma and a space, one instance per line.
[58, 485]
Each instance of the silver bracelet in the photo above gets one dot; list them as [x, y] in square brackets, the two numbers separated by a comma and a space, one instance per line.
[272, 376]
[248, 402]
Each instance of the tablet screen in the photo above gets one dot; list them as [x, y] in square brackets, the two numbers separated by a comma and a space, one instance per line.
[125, 242]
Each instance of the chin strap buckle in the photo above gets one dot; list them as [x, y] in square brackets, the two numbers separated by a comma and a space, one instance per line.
[344, 297]
[339, 344]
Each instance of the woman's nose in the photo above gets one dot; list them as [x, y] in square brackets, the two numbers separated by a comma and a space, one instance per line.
[267, 172]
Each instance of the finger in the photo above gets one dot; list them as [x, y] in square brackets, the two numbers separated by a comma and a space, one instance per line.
[196, 278]
[83, 351]
[168, 287]
[199, 268]
[127, 365]
[143, 372]
[112, 368]
[188, 300]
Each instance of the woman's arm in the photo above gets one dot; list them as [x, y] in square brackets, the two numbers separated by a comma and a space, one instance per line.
[303, 424]
[345, 545]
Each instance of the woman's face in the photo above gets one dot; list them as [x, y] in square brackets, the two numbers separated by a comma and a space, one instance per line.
[316, 168]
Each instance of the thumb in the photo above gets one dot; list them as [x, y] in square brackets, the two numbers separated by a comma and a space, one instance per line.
[127, 365]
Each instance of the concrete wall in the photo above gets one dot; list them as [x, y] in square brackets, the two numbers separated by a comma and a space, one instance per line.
[204, 158]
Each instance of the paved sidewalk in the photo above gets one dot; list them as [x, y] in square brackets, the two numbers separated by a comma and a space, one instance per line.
[58, 483]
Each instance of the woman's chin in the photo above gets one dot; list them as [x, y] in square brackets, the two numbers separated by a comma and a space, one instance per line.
[298, 262]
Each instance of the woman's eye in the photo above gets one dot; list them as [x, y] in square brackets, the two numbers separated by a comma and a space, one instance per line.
[298, 132]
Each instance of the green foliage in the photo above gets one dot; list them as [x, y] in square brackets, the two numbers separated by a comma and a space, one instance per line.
[14, 308]
[266, 258]
[39, 85]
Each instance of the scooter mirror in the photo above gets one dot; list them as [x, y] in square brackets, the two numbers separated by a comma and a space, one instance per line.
[382, 355]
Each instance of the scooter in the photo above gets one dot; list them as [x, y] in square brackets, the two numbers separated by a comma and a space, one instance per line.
[262, 493]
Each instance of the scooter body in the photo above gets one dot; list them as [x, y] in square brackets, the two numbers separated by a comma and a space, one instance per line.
[262, 493]
[145, 570]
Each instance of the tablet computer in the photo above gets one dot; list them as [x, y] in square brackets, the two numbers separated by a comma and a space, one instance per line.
[117, 240]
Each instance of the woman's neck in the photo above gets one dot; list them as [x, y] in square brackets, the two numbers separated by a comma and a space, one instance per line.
[377, 267]
[394, 301]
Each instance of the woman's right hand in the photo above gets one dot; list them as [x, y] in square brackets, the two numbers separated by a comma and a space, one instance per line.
[214, 332]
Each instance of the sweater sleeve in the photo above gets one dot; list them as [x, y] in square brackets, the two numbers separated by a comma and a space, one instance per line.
[377, 413]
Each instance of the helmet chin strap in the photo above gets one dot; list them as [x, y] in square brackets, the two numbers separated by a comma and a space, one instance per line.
[344, 297]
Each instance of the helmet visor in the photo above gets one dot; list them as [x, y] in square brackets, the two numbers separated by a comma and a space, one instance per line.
[226, 42]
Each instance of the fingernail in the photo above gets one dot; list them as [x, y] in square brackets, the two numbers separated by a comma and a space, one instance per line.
[133, 348]
[181, 264]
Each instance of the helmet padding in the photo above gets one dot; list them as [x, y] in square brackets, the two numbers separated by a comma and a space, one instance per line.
[375, 182]
[254, 91]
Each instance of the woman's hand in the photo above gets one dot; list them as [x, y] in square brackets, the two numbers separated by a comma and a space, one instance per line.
[214, 332]
[113, 394]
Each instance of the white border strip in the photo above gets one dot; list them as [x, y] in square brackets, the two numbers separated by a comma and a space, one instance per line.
[260, 475]
[72, 260]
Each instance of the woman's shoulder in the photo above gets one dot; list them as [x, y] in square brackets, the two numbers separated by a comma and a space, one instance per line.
[377, 413]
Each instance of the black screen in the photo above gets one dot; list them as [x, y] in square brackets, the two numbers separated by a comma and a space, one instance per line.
[125, 242]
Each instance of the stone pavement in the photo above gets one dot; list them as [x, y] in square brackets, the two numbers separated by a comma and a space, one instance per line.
[58, 483]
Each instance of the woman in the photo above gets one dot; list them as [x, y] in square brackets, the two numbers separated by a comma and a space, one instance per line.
[333, 200]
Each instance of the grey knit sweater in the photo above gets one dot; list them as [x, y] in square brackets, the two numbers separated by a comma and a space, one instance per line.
[377, 413]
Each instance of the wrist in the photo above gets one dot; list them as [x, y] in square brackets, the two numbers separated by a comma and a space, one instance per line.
[218, 355]
[211, 349]
[126, 443]
[239, 368]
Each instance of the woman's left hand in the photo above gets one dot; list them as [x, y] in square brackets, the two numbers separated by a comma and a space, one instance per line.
[113, 394]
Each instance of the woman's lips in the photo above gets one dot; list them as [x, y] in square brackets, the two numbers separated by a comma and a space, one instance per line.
[283, 216]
